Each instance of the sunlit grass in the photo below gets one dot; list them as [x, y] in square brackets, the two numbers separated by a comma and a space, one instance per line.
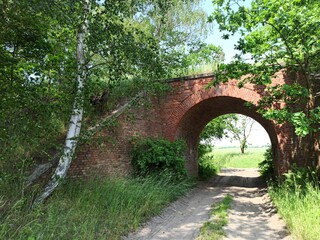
[98, 209]
[213, 229]
[233, 158]
[300, 209]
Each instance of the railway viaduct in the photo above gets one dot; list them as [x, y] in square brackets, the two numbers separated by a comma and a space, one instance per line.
[182, 113]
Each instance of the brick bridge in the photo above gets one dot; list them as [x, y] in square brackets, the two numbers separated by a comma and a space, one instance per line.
[183, 113]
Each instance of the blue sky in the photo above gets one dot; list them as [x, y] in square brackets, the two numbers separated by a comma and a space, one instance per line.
[216, 36]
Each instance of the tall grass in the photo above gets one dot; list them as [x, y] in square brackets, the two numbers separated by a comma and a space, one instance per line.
[300, 209]
[297, 199]
[97, 209]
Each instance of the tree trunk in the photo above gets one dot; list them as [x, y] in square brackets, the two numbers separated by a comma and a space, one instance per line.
[243, 144]
[77, 113]
[242, 148]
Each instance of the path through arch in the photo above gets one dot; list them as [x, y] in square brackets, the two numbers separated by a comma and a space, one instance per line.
[251, 217]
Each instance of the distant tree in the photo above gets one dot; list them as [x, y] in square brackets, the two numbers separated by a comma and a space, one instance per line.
[216, 128]
[238, 127]
[234, 126]
[204, 55]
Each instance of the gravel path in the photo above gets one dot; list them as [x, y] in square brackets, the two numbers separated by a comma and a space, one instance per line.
[251, 216]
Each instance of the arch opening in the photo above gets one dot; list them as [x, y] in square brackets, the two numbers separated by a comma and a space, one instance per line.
[197, 117]
[232, 141]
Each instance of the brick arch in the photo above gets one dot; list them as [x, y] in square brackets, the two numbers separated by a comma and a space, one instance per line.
[193, 106]
[182, 113]
[188, 94]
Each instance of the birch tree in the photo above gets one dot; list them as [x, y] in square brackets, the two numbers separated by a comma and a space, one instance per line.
[120, 56]
[54, 55]
[77, 111]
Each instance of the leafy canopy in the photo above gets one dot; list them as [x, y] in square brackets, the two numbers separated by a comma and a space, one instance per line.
[276, 35]
[38, 67]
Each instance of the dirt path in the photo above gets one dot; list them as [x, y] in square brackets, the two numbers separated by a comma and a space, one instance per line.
[251, 215]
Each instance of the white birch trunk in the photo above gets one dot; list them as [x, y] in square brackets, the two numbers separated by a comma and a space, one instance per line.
[77, 113]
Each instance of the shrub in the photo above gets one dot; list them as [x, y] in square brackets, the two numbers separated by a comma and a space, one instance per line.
[207, 167]
[298, 178]
[266, 166]
[159, 156]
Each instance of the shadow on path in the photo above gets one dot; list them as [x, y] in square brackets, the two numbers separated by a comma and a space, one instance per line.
[251, 216]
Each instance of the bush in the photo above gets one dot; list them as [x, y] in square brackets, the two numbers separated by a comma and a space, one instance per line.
[298, 178]
[159, 156]
[266, 166]
[207, 167]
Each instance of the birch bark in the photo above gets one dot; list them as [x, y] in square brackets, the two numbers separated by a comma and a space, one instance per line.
[77, 111]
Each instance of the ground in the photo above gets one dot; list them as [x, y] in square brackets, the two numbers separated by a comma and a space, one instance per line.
[251, 216]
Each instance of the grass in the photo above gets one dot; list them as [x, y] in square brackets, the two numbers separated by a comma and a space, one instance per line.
[233, 158]
[300, 209]
[213, 229]
[211, 162]
[97, 209]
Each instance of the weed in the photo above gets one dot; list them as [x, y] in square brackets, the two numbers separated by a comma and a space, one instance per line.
[213, 229]
[266, 166]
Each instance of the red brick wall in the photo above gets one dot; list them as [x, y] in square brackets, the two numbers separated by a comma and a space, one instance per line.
[109, 152]
[181, 114]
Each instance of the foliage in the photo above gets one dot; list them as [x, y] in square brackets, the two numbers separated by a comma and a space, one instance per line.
[298, 178]
[92, 209]
[235, 126]
[297, 200]
[38, 67]
[213, 229]
[159, 156]
[179, 26]
[215, 129]
[276, 35]
[207, 55]
[36, 94]
[266, 168]
[207, 167]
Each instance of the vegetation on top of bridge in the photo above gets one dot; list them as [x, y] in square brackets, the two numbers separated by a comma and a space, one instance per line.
[191, 77]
